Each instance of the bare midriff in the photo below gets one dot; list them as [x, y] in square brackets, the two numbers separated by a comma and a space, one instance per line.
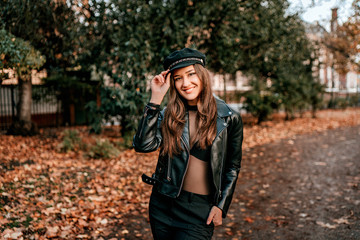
[197, 176]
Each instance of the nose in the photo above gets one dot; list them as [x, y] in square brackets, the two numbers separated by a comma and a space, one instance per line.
[186, 82]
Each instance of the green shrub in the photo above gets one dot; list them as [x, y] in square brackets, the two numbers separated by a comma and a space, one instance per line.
[71, 141]
[261, 104]
[338, 103]
[127, 140]
[103, 148]
[354, 100]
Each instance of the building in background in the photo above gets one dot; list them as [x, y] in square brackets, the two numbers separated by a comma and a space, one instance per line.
[345, 80]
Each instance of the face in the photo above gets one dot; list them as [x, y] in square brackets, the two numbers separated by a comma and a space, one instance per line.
[188, 84]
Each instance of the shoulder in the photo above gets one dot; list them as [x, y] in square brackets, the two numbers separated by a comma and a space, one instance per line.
[224, 110]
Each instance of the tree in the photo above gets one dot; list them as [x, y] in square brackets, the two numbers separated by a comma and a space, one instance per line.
[132, 52]
[255, 37]
[19, 55]
[53, 28]
[342, 47]
[344, 41]
[280, 58]
[124, 42]
[50, 27]
[9, 55]
[261, 101]
[118, 47]
[294, 74]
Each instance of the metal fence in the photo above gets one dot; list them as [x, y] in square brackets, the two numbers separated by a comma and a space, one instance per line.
[45, 107]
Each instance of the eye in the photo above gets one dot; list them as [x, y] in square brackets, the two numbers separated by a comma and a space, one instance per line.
[176, 79]
[191, 74]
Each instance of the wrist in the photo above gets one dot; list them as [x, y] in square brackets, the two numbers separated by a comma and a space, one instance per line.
[218, 209]
[153, 106]
[156, 100]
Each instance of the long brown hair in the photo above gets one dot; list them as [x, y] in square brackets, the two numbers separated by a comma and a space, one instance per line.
[174, 119]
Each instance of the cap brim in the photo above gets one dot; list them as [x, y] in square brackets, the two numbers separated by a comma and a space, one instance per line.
[184, 64]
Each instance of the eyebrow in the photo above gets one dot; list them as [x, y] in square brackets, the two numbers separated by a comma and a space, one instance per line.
[185, 72]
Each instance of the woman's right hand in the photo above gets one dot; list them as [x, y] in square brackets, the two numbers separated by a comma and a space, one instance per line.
[159, 86]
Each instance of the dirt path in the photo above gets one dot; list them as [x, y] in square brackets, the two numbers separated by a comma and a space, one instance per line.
[306, 187]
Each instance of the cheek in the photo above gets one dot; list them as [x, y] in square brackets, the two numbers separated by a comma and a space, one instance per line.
[177, 85]
[197, 80]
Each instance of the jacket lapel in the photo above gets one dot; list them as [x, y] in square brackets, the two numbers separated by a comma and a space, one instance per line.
[222, 111]
[185, 134]
[220, 125]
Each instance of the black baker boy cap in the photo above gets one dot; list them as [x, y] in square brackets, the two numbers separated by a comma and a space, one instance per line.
[183, 58]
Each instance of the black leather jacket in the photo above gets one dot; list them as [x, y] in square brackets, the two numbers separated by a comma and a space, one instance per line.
[225, 153]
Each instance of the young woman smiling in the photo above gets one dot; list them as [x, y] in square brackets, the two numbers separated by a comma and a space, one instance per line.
[200, 139]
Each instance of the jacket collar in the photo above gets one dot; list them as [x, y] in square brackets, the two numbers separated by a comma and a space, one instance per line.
[223, 110]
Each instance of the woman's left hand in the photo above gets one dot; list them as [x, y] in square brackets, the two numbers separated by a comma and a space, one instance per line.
[215, 216]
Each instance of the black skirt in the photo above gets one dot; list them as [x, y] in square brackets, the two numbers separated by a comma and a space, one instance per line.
[180, 218]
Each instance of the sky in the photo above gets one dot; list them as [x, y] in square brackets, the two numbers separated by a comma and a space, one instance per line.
[321, 11]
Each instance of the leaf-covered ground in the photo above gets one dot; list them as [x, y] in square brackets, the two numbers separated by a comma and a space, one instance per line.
[303, 187]
[48, 194]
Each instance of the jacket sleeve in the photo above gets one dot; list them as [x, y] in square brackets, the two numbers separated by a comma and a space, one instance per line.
[148, 136]
[232, 164]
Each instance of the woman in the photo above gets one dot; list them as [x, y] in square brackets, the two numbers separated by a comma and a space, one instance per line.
[200, 140]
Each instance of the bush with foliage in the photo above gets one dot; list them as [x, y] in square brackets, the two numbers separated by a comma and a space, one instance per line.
[354, 100]
[117, 104]
[71, 141]
[103, 148]
[261, 104]
[344, 102]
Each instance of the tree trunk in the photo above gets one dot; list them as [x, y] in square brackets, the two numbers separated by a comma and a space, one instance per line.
[313, 112]
[23, 124]
[25, 92]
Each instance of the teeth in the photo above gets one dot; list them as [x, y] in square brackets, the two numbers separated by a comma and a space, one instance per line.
[189, 90]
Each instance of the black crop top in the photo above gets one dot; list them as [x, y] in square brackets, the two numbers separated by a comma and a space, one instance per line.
[201, 154]
[196, 151]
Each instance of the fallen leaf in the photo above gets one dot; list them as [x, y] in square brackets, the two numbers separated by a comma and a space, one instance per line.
[326, 225]
[249, 219]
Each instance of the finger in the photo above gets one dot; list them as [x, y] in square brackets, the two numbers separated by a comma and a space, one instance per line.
[210, 217]
[154, 80]
[162, 79]
[164, 73]
[159, 79]
[167, 76]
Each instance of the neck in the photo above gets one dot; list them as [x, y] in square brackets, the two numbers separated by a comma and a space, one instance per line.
[191, 107]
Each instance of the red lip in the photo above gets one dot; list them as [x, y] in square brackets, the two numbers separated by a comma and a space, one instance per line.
[185, 89]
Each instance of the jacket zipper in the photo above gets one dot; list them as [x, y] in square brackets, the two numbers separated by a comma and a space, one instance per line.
[221, 171]
[187, 160]
[187, 165]
[222, 165]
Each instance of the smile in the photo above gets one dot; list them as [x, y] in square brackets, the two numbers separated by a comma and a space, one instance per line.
[188, 90]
